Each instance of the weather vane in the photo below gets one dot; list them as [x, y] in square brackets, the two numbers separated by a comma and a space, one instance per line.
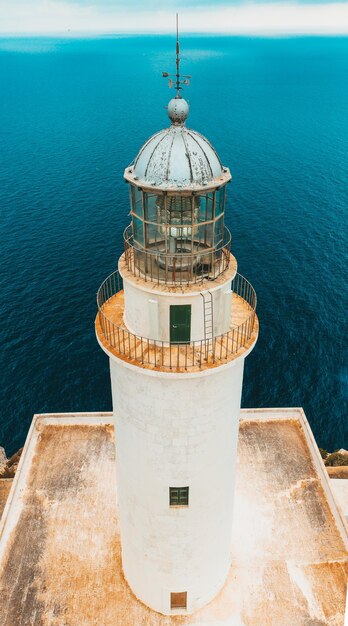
[175, 79]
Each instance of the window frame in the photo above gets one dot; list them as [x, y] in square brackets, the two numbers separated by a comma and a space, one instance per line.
[182, 497]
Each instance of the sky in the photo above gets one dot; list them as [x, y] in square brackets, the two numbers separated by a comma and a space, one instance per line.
[241, 17]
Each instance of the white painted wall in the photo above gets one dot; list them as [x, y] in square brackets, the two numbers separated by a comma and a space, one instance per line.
[176, 430]
[147, 311]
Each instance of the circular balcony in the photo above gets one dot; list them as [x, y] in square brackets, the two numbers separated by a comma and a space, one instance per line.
[179, 357]
[190, 263]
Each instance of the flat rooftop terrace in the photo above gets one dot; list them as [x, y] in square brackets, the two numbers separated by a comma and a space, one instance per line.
[60, 556]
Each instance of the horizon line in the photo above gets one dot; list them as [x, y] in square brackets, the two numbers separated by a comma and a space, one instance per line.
[90, 34]
[251, 19]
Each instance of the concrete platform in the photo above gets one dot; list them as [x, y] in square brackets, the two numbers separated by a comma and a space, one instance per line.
[5, 486]
[60, 556]
[340, 489]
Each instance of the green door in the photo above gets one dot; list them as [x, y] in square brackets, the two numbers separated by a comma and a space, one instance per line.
[180, 323]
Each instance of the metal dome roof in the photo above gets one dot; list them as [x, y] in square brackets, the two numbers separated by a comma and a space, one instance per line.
[177, 157]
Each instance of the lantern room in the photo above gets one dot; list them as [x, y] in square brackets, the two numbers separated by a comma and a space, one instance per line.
[178, 196]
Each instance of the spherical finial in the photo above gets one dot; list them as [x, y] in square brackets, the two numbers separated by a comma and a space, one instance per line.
[178, 110]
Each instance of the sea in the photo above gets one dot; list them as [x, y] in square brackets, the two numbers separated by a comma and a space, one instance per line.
[74, 113]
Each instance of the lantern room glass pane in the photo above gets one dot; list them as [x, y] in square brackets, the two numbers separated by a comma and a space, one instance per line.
[179, 210]
[220, 201]
[151, 207]
[137, 201]
[206, 207]
[153, 236]
[218, 232]
[138, 230]
[205, 235]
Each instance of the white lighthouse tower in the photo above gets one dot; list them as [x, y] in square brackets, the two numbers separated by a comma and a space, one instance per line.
[176, 321]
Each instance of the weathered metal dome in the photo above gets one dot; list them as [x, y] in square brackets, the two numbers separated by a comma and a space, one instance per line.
[177, 156]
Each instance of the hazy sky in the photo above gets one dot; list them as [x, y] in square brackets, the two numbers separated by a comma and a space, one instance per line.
[113, 16]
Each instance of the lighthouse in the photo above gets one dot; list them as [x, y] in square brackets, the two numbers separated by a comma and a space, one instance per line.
[177, 321]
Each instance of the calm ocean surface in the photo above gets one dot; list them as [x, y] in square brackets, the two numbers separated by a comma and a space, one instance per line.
[75, 112]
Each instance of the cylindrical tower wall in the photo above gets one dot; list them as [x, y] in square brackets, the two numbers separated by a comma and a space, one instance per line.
[175, 430]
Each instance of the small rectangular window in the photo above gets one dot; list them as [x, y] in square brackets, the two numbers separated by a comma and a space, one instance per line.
[178, 600]
[178, 496]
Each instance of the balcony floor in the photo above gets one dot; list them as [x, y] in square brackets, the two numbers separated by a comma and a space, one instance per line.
[179, 358]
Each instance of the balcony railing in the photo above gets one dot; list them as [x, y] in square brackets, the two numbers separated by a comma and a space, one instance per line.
[177, 268]
[166, 356]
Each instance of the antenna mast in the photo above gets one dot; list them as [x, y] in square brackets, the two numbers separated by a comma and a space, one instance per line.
[178, 76]
[177, 58]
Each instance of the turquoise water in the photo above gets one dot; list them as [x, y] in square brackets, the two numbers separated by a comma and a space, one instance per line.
[75, 112]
